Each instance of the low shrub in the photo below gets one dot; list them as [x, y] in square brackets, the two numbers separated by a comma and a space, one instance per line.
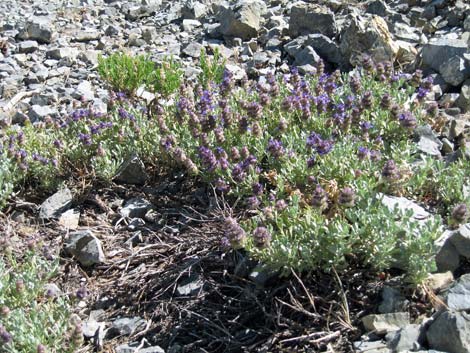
[32, 318]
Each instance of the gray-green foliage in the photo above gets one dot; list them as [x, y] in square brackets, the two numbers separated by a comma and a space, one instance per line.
[29, 316]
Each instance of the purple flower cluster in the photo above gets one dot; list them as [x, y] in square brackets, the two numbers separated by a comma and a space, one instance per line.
[234, 232]
[347, 197]
[208, 159]
[261, 237]
[97, 129]
[407, 120]
[319, 198]
[275, 148]
[320, 145]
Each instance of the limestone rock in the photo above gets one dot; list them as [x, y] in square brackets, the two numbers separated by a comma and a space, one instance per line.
[241, 20]
[440, 50]
[450, 332]
[311, 19]
[368, 35]
[381, 324]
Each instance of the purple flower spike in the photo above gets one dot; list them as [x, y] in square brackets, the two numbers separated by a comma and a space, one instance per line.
[407, 120]
[234, 233]
[275, 148]
[324, 147]
[346, 197]
[391, 172]
[208, 158]
[459, 214]
[257, 189]
[319, 198]
[363, 153]
[261, 237]
[253, 202]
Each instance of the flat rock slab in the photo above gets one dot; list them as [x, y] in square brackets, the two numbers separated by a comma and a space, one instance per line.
[458, 296]
[55, 205]
[384, 323]
[450, 332]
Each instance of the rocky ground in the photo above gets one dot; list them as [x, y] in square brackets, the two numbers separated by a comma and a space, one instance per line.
[149, 256]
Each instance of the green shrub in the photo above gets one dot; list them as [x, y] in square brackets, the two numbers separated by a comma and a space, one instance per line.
[125, 73]
[212, 68]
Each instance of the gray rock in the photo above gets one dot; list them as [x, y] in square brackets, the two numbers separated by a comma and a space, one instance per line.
[378, 7]
[190, 25]
[439, 281]
[440, 50]
[62, 53]
[384, 323]
[193, 49]
[241, 20]
[135, 208]
[404, 32]
[447, 256]
[455, 70]
[38, 28]
[295, 46]
[190, 287]
[39, 112]
[457, 128]
[392, 301]
[370, 347]
[56, 204]
[84, 91]
[136, 12]
[261, 275]
[90, 327]
[87, 35]
[411, 337]
[51, 290]
[132, 171]
[367, 35]
[309, 19]
[429, 146]
[307, 56]
[463, 102]
[133, 348]
[28, 46]
[326, 48]
[126, 326]
[461, 240]
[85, 247]
[403, 204]
[466, 23]
[458, 296]
[193, 9]
[450, 332]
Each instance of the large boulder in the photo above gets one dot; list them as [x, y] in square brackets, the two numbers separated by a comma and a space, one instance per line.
[241, 20]
[310, 18]
[440, 50]
[455, 70]
[38, 28]
[450, 332]
[367, 35]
